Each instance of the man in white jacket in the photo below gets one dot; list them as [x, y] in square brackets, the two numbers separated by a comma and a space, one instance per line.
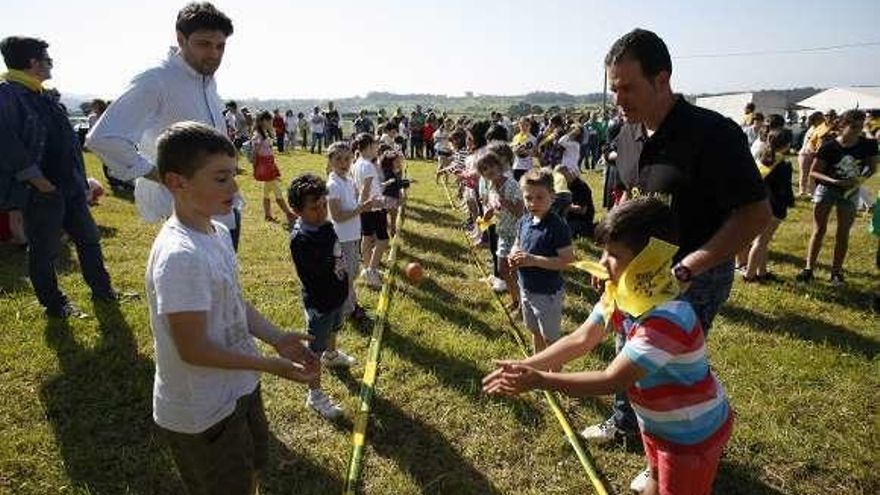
[180, 88]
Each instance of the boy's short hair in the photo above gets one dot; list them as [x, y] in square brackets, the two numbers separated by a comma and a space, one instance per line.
[183, 146]
[634, 222]
[303, 187]
[538, 177]
[202, 16]
[18, 51]
[362, 141]
[485, 160]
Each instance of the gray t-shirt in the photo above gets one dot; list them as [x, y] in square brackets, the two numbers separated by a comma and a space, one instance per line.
[189, 271]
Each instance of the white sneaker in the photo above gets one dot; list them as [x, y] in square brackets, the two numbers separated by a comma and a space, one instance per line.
[337, 359]
[323, 405]
[498, 285]
[640, 482]
[603, 432]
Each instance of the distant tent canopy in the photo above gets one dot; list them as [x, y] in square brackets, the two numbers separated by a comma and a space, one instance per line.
[842, 99]
[733, 105]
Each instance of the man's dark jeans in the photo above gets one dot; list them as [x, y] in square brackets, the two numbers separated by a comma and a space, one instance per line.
[46, 215]
[706, 294]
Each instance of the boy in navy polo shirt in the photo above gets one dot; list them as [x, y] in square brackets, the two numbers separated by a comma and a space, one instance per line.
[542, 249]
[317, 255]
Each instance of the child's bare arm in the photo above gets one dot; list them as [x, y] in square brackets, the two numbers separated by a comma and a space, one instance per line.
[514, 379]
[189, 331]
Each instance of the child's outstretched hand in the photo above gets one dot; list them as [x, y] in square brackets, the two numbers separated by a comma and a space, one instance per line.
[291, 346]
[511, 378]
[290, 370]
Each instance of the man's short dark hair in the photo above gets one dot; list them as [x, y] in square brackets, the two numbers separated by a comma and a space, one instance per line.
[634, 222]
[232, 104]
[19, 50]
[183, 146]
[496, 132]
[644, 47]
[198, 16]
[303, 187]
[851, 117]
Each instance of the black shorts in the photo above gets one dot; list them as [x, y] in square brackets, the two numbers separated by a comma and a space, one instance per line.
[375, 223]
[224, 458]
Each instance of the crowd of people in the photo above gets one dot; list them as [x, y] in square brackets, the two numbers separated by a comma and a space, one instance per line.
[692, 197]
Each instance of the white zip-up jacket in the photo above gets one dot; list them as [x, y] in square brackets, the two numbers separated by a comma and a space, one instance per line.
[125, 135]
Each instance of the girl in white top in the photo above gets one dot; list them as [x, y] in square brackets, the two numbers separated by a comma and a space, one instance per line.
[345, 211]
[571, 142]
[374, 220]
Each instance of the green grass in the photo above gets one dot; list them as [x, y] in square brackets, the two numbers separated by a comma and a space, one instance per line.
[800, 364]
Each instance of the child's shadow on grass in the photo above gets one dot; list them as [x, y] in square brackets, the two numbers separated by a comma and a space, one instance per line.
[457, 374]
[418, 449]
[738, 479]
[448, 307]
[99, 406]
[100, 409]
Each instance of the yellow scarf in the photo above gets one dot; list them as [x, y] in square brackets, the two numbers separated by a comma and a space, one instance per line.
[765, 170]
[25, 79]
[645, 284]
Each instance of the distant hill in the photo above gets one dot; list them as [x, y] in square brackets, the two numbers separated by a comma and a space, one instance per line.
[476, 105]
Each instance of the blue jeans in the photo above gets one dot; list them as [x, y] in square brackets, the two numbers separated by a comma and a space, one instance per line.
[317, 138]
[45, 217]
[706, 294]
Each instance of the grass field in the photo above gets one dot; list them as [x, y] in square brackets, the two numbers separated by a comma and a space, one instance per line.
[800, 364]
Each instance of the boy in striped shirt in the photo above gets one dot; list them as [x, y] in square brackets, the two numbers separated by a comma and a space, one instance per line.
[682, 409]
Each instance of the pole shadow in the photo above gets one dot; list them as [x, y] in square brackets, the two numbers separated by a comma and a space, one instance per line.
[418, 449]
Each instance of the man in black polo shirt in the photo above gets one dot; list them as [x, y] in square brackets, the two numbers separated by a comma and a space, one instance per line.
[696, 160]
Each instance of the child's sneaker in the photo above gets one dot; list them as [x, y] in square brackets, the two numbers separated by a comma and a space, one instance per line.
[640, 482]
[837, 279]
[323, 405]
[806, 275]
[337, 359]
[499, 285]
[604, 432]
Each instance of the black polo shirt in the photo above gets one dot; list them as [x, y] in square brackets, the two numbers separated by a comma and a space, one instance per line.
[698, 162]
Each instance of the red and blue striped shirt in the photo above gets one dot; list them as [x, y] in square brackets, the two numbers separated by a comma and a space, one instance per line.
[679, 399]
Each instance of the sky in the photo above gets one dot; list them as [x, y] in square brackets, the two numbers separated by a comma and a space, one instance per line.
[342, 48]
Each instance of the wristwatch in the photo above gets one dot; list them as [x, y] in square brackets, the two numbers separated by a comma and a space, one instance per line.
[682, 273]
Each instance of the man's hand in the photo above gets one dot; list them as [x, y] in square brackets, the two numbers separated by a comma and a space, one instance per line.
[43, 185]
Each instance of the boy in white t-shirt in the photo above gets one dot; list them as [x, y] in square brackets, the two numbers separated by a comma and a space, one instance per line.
[206, 393]
[345, 211]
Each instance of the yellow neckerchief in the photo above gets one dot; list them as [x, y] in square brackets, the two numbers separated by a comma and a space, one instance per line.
[25, 79]
[765, 170]
[873, 125]
[645, 284]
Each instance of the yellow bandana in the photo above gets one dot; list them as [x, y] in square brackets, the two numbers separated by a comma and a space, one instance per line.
[484, 225]
[647, 282]
[765, 170]
[25, 79]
